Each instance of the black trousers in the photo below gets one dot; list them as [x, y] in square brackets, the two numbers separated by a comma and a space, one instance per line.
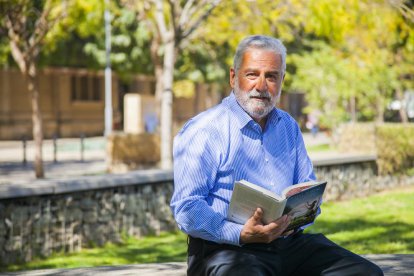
[299, 254]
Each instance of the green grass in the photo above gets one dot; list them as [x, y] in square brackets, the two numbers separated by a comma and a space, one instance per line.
[378, 224]
[76, 145]
[319, 148]
[168, 247]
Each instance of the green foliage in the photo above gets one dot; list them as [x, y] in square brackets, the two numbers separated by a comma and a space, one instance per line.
[231, 21]
[4, 51]
[395, 146]
[79, 39]
[202, 62]
[322, 73]
[360, 59]
[129, 44]
[346, 55]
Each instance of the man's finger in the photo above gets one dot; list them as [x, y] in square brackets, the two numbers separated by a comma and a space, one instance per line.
[288, 233]
[277, 226]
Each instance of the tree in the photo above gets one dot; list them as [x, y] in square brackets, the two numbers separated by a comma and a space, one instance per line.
[172, 23]
[28, 23]
[370, 40]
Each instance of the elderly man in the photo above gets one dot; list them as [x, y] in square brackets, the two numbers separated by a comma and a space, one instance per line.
[246, 137]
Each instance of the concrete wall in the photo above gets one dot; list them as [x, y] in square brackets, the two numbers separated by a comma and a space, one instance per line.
[355, 176]
[43, 217]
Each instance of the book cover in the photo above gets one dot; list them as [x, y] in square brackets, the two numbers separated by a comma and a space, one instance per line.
[300, 201]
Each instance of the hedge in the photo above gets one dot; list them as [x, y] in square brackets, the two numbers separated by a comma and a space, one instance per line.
[395, 148]
[393, 143]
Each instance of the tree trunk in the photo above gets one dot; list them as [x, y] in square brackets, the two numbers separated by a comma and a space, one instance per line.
[380, 109]
[157, 61]
[402, 110]
[158, 71]
[353, 109]
[166, 105]
[36, 119]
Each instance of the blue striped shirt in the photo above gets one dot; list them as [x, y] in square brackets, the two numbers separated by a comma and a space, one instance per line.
[223, 145]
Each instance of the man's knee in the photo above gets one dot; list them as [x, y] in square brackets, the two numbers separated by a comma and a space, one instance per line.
[354, 266]
[370, 269]
[230, 262]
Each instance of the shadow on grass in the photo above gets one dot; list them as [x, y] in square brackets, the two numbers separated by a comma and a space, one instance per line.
[370, 236]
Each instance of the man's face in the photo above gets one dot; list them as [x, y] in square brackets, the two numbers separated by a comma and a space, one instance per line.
[258, 82]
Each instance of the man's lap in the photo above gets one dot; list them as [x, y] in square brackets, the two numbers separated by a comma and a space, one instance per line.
[300, 254]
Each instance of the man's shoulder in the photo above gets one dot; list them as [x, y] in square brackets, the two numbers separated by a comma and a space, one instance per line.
[212, 119]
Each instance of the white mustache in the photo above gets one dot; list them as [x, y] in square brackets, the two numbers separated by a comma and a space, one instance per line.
[255, 93]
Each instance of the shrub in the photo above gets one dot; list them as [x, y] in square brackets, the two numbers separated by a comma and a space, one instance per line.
[356, 137]
[395, 148]
[132, 151]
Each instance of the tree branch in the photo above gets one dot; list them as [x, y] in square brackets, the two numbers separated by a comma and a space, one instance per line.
[14, 45]
[174, 14]
[198, 21]
[160, 19]
[43, 25]
[403, 8]
[185, 12]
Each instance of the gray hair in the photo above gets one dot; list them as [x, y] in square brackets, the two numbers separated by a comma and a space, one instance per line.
[259, 42]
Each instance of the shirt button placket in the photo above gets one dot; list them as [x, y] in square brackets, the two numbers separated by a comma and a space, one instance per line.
[266, 161]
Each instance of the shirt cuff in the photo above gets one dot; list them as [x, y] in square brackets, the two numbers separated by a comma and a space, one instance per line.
[230, 233]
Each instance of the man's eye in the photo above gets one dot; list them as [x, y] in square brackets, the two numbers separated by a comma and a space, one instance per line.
[251, 75]
[272, 77]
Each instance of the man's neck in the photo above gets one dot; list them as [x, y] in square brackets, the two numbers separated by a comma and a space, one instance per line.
[261, 122]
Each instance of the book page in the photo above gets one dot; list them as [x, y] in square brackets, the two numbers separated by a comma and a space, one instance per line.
[245, 200]
[297, 188]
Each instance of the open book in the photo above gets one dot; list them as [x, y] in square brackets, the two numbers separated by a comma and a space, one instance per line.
[300, 201]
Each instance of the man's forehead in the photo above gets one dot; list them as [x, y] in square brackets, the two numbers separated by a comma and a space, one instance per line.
[257, 58]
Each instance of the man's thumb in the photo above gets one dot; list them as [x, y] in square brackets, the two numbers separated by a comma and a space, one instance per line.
[258, 215]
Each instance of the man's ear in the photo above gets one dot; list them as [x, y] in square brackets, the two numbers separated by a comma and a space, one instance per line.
[232, 77]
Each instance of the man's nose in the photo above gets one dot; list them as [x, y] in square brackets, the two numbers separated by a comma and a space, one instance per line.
[261, 84]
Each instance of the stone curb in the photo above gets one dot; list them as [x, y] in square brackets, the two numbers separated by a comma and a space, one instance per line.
[391, 264]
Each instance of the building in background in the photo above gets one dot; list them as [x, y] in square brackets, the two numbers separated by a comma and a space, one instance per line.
[71, 101]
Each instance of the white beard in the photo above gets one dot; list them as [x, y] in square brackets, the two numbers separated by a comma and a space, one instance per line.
[256, 109]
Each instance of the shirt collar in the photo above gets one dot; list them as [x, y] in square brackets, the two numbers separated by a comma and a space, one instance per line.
[242, 117]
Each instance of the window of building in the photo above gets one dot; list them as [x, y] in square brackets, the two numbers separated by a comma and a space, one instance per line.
[86, 88]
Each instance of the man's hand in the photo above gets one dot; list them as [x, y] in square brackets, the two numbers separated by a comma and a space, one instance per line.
[254, 231]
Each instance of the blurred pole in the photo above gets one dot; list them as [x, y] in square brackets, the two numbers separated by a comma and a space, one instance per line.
[82, 146]
[108, 73]
[24, 150]
[55, 148]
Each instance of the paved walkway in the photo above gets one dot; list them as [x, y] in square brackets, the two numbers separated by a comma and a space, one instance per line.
[392, 265]
[70, 161]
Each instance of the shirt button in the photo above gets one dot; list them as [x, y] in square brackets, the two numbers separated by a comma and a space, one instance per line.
[267, 160]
